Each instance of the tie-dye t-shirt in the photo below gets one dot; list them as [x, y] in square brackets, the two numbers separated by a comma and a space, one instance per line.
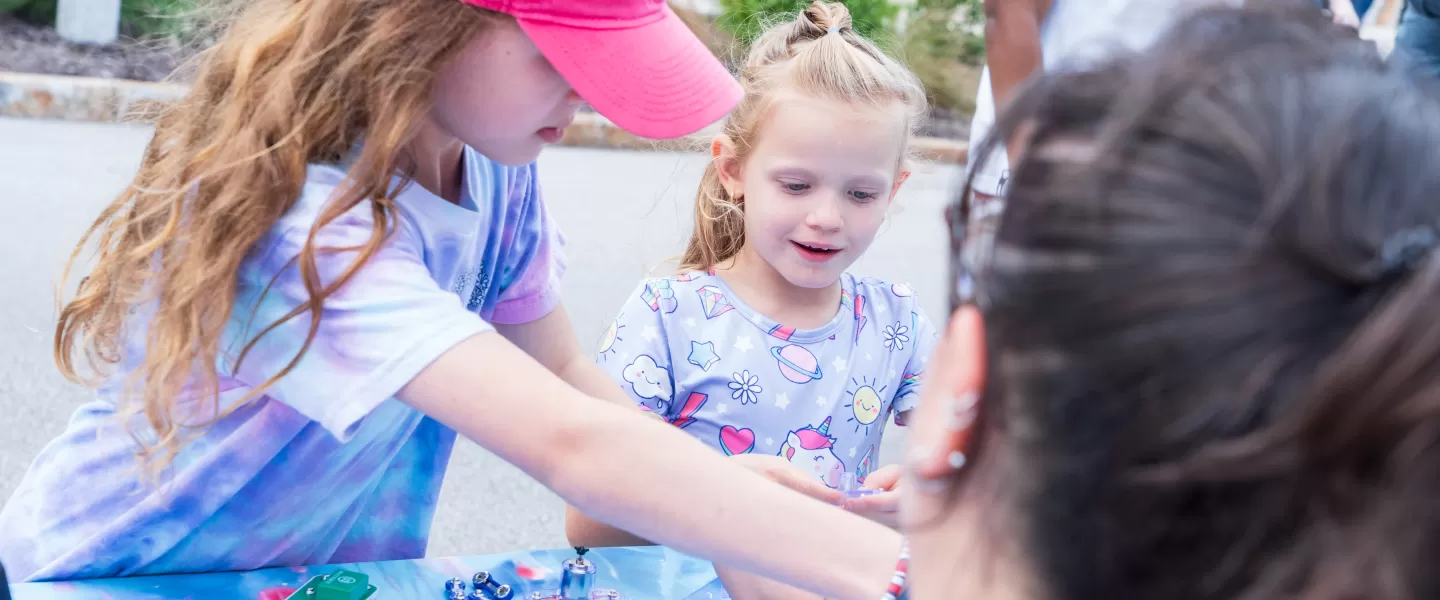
[688, 349]
[326, 466]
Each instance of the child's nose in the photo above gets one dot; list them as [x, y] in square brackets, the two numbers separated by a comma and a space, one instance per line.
[825, 215]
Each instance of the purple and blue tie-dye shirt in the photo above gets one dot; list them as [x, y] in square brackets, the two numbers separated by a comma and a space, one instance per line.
[326, 466]
[690, 350]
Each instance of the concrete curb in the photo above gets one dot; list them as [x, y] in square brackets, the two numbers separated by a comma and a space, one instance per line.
[115, 100]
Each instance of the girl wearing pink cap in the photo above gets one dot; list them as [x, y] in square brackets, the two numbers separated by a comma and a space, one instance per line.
[333, 259]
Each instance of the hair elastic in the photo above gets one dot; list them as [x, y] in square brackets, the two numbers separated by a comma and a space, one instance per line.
[834, 30]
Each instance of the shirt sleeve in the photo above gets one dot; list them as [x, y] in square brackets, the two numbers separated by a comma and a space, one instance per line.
[376, 332]
[913, 380]
[635, 352]
[534, 260]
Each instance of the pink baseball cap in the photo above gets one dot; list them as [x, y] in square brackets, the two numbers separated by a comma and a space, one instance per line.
[634, 61]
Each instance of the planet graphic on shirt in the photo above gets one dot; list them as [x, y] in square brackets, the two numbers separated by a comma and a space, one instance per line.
[796, 363]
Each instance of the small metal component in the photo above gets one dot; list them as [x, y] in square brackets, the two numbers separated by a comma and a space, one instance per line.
[486, 588]
[577, 577]
[455, 589]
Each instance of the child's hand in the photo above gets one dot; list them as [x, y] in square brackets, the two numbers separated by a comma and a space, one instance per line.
[883, 508]
[781, 471]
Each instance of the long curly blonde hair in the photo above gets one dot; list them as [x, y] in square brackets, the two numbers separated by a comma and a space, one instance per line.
[289, 83]
[819, 55]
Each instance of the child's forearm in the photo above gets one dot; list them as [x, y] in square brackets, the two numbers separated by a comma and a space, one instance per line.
[582, 530]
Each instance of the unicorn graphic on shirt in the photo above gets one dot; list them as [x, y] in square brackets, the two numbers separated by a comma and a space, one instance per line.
[813, 450]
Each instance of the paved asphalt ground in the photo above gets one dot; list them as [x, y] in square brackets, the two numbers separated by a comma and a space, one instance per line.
[624, 213]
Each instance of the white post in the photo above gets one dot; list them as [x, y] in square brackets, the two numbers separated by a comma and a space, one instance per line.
[88, 21]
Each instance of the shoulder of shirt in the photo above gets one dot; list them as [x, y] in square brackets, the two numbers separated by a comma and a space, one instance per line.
[322, 184]
[677, 286]
[896, 295]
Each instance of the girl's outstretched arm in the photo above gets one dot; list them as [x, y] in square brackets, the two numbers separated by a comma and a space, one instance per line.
[551, 340]
[647, 477]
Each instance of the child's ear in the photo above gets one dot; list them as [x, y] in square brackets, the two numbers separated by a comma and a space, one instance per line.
[727, 166]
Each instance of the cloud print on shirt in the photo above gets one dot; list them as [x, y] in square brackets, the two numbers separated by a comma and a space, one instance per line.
[648, 379]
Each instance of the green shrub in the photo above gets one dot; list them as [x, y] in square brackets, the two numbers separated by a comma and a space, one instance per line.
[943, 45]
[747, 19]
[34, 11]
[940, 39]
[142, 18]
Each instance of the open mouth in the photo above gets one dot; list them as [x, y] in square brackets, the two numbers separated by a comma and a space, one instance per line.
[815, 253]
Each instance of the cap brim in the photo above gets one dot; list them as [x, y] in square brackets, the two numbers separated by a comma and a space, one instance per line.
[656, 80]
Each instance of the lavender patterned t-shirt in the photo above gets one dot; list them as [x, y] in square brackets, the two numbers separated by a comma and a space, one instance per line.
[689, 349]
[326, 466]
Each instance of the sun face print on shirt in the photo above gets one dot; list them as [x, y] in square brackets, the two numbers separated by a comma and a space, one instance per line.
[866, 404]
[607, 341]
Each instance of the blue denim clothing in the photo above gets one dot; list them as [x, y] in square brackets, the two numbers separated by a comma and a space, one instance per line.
[1417, 40]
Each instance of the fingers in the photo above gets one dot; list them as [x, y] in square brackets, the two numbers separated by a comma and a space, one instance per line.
[881, 508]
[886, 502]
[884, 478]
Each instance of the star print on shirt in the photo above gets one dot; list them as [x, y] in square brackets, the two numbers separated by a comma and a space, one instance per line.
[650, 333]
[743, 344]
[703, 355]
[852, 453]
[822, 401]
[840, 364]
[782, 401]
[722, 409]
[770, 442]
[689, 322]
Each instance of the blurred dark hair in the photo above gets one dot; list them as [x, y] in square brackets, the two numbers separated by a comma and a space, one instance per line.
[1212, 375]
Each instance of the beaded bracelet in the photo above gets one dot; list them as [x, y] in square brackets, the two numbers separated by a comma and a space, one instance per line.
[898, 590]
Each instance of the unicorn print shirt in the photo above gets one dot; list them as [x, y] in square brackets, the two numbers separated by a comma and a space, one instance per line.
[325, 466]
[688, 349]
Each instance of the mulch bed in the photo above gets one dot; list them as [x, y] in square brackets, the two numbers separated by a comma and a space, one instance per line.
[29, 48]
